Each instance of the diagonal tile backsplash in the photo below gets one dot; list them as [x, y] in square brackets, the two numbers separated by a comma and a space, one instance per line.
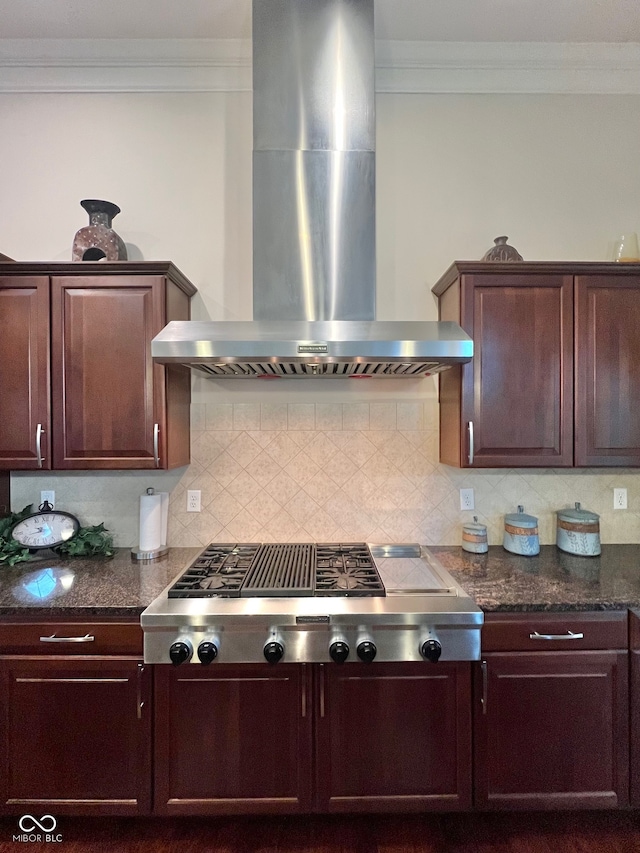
[331, 471]
[365, 471]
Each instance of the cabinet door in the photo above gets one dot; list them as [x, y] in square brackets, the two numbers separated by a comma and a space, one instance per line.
[232, 739]
[552, 731]
[75, 736]
[394, 737]
[108, 397]
[517, 401]
[607, 370]
[634, 704]
[25, 436]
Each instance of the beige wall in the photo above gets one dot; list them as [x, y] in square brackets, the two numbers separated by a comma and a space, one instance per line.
[558, 173]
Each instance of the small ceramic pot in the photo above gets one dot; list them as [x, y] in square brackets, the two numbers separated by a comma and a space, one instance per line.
[474, 537]
[578, 532]
[521, 533]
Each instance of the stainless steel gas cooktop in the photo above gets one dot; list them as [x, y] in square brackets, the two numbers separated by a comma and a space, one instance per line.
[312, 603]
[249, 571]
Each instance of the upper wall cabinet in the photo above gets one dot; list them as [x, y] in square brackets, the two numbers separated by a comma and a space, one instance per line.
[556, 365]
[78, 388]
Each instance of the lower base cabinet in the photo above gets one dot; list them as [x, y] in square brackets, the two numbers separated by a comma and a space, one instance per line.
[552, 725]
[393, 737]
[550, 707]
[634, 690]
[75, 736]
[384, 737]
[232, 739]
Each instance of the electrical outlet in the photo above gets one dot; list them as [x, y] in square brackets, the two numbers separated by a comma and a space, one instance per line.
[619, 498]
[193, 500]
[466, 499]
[49, 496]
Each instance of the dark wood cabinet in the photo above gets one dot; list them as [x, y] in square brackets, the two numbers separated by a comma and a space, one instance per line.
[76, 362]
[551, 714]
[607, 370]
[75, 730]
[393, 737]
[298, 738]
[232, 739]
[634, 704]
[25, 389]
[556, 359]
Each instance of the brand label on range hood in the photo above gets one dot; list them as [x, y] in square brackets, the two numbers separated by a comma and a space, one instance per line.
[313, 348]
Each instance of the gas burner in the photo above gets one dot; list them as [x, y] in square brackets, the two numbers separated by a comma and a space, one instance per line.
[347, 570]
[219, 571]
[343, 580]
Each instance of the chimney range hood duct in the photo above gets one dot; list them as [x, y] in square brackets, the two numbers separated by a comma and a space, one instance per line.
[314, 279]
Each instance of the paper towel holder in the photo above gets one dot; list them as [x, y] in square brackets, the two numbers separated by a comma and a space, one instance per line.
[138, 554]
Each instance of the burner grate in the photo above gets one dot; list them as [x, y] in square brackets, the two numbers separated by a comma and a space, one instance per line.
[281, 570]
[347, 570]
[219, 571]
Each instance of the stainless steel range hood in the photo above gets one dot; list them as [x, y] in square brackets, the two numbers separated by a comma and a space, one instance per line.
[314, 279]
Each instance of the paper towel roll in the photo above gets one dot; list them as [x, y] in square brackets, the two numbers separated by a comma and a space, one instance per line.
[150, 522]
[165, 517]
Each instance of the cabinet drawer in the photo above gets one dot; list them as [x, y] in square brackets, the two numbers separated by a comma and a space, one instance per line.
[553, 631]
[71, 638]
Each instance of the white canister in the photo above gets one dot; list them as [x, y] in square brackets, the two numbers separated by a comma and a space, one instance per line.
[474, 537]
[521, 533]
[578, 532]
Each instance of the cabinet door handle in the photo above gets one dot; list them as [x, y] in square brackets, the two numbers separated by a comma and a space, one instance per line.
[568, 636]
[471, 448]
[156, 444]
[140, 701]
[39, 432]
[304, 692]
[322, 677]
[485, 686]
[88, 638]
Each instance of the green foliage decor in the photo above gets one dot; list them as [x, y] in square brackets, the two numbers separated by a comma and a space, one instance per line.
[86, 542]
[12, 552]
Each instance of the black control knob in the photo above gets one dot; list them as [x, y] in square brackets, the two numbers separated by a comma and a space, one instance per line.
[207, 652]
[339, 651]
[273, 651]
[179, 653]
[367, 650]
[431, 650]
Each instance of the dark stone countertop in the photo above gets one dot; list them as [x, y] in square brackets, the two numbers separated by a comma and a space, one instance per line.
[121, 588]
[77, 588]
[501, 582]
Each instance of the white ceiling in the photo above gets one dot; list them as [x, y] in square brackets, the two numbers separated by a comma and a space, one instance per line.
[419, 20]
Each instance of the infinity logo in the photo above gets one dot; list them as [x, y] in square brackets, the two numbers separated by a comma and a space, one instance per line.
[28, 823]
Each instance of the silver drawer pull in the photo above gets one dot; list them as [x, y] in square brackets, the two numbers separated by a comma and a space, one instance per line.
[88, 638]
[156, 445]
[39, 455]
[568, 636]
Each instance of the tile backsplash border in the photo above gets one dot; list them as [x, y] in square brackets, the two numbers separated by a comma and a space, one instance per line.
[331, 471]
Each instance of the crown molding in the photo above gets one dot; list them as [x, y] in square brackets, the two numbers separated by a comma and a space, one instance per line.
[508, 68]
[224, 65]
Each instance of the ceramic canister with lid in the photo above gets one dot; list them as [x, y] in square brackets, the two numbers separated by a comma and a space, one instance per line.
[474, 537]
[578, 531]
[521, 533]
